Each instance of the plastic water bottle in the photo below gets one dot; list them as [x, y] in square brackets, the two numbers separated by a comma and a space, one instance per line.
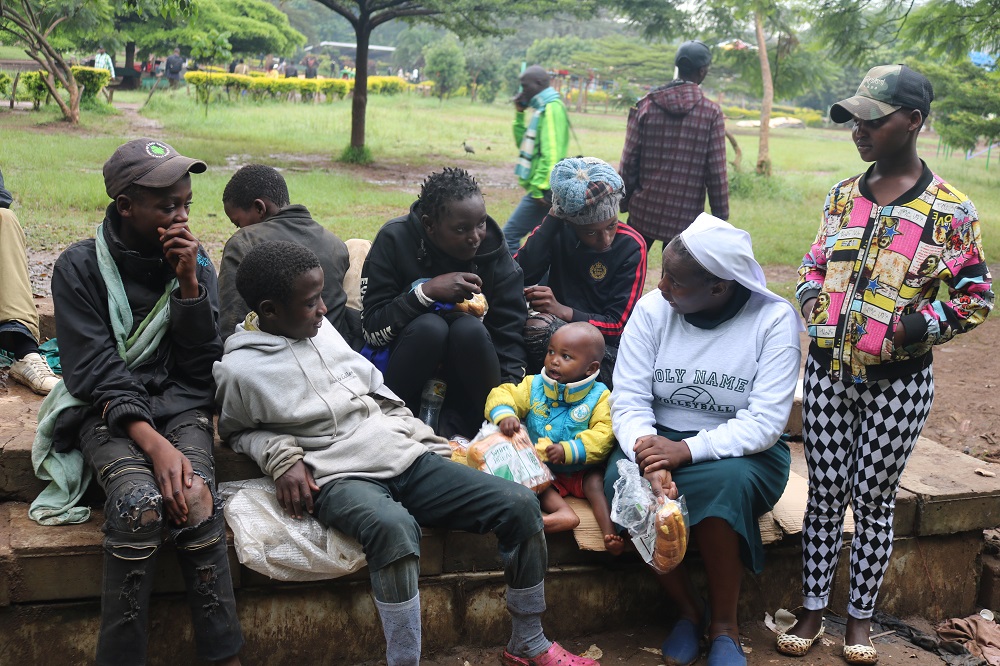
[431, 399]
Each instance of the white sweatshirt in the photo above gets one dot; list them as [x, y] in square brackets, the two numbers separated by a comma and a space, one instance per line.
[734, 384]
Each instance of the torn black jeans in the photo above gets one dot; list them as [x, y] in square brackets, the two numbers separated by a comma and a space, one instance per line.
[135, 526]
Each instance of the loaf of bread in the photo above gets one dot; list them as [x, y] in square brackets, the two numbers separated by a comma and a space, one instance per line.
[671, 537]
[511, 458]
[475, 306]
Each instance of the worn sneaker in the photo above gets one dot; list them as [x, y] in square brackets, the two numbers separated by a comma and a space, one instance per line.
[35, 373]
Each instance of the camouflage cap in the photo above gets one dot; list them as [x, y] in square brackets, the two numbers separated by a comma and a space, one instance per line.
[885, 89]
[148, 163]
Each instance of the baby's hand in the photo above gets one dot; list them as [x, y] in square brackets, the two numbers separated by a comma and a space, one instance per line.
[555, 454]
[509, 426]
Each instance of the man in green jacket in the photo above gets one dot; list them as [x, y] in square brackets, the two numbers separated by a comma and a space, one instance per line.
[543, 137]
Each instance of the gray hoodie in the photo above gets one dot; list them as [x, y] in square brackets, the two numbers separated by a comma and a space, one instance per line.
[283, 400]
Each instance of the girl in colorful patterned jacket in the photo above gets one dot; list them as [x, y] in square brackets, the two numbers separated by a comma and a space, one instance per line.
[868, 290]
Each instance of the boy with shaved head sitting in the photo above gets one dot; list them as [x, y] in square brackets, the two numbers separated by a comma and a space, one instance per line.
[318, 418]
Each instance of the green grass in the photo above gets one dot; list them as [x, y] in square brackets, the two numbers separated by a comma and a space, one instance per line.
[12, 53]
[55, 171]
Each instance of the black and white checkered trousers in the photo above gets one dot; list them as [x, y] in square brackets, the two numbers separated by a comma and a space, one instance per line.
[857, 440]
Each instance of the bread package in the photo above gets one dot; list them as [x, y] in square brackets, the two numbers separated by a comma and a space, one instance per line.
[475, 306]
[671, 540]
[511, 458]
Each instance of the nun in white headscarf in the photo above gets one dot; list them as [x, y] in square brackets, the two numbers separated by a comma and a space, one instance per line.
[703, 387]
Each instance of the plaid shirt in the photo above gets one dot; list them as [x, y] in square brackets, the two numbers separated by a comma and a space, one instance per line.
[675, 150]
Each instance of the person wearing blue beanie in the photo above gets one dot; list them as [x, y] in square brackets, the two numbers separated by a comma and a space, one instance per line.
[596, 265]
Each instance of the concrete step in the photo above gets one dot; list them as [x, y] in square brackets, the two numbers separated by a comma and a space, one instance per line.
[50, 576]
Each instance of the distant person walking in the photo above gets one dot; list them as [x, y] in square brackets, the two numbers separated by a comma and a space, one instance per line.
[103, 61]
[675, 150]
[543, 137]
[174, 67]
[312, 66]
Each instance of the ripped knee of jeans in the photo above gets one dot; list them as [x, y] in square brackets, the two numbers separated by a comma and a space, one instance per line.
[201, 502]
[198, 534]
[134, 520]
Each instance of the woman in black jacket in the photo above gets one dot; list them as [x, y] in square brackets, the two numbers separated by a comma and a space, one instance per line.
[446, 250]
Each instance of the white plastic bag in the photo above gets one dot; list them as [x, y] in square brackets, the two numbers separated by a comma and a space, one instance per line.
[271, 542]
[513, 458]
[638, 510]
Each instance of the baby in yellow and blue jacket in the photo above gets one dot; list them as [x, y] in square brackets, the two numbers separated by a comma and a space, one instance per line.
[567, 416]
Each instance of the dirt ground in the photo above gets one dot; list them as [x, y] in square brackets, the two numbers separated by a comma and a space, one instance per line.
[640, 646]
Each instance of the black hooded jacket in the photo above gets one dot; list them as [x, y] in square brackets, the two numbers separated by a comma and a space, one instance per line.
[402, 254]
[177, 378]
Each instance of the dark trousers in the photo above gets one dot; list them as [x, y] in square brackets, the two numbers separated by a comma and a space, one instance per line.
[385, 516]
[134, 527]
[460, 344]
[528, 215]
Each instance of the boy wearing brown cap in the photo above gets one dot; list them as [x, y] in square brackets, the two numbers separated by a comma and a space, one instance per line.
[136, 315]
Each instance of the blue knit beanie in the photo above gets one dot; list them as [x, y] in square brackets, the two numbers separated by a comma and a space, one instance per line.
[585, 190]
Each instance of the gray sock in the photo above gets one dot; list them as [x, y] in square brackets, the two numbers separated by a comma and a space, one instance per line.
[526, 607]
[401, 624]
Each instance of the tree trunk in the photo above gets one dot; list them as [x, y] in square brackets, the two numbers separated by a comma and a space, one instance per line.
[130, 55]
[763, 152]
[359, 103]
[738, 154]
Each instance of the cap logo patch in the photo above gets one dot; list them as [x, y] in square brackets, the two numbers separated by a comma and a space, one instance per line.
[157, 149]
[875, 85]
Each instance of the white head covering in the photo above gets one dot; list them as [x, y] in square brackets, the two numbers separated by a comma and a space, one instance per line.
[726, 252]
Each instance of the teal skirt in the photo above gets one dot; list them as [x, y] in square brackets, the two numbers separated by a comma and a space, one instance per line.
[738, 490]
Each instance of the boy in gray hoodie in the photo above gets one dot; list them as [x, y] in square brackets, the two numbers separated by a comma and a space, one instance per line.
[317, 417]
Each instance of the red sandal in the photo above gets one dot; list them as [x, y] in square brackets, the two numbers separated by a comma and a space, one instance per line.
[556, 655]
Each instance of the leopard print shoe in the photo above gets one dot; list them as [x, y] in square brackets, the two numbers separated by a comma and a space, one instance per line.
[861, 655]
[796, 646]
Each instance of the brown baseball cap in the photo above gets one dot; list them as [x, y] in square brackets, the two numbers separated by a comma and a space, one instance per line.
[149, 163]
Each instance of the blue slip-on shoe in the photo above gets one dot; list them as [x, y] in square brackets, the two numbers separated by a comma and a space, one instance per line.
[726, 652]
[682, 646]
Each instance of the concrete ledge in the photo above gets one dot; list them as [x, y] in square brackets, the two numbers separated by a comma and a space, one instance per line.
[289, 623]
[337, 623]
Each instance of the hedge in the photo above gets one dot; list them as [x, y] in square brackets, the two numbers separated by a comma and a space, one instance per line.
[260, 87]
[32, 84]
[810, 117]
[92, 80]
[5, 82]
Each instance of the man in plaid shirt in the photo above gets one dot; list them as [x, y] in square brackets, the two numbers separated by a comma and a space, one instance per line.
[675, 150]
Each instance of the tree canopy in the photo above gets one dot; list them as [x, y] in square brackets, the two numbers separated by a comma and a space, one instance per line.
[253, 27]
